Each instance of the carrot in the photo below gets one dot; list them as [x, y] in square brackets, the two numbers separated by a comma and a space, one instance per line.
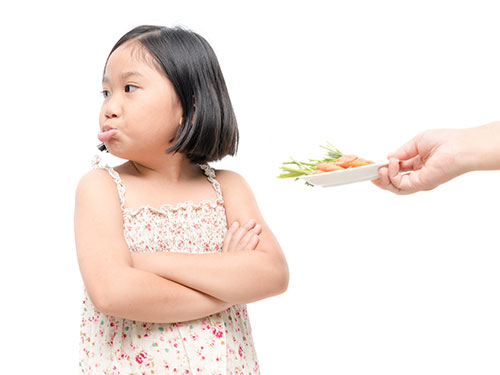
[359, 162]
[334, 160]
[344, 161]
[328, 167]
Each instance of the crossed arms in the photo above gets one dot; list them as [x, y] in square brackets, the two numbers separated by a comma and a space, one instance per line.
[174, 287]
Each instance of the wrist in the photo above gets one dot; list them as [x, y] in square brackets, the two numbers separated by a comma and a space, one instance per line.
[481, 149]
[468, 153]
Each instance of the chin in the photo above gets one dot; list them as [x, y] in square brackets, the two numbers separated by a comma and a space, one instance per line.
[114, 149]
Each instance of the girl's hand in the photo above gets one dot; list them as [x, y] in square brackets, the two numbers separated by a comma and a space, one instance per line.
[244, 237]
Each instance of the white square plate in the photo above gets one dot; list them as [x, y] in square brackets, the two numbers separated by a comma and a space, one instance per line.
[346, 176]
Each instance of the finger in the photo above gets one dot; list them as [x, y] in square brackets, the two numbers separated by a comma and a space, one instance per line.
[412, 182]
[252, 244]
[238, 235]
[256, 231]
[229, 235]
[376, 182]
[384, 181]
[402, 183]
[412, 164]
[393, 172]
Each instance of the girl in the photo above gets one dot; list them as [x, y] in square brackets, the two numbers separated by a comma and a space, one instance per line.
[166, 279]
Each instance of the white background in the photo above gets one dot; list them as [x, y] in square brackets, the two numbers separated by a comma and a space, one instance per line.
[380, 284]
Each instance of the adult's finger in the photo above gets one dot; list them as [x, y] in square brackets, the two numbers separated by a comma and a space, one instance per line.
[411, 165]
[408, 183]
[393, 172]
[384, 181]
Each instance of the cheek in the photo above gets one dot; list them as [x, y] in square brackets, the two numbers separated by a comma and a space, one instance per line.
[165, 113]
[101, 116]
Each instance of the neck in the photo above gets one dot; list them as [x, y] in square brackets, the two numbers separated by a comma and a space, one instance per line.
[170, 167]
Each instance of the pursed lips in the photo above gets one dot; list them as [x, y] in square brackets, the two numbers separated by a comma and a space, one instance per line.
[105, 128]
[106, 133]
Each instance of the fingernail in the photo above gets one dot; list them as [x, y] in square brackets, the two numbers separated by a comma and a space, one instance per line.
[235, 224]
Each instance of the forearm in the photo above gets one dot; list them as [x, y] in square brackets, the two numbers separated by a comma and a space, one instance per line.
[142, 296]
[482, 147]
[233, 277]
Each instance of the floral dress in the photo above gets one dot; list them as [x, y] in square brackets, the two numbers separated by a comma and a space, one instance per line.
[214, 345]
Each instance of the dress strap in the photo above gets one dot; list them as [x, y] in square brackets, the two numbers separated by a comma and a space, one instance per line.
[210, 173]
[116, 177]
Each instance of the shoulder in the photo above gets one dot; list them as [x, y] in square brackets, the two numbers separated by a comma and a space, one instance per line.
[94, 178]
[101, 175]
[96, 187]
[239, 199]
[231, 181]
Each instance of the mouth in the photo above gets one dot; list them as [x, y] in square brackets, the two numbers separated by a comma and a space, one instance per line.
[105, 128]
[106, 133]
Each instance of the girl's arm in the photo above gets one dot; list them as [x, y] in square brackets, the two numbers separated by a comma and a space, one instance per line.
[113, 285]
[236, 276]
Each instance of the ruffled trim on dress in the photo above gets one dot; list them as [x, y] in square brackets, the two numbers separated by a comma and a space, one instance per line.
[96, 160]
[164, 208]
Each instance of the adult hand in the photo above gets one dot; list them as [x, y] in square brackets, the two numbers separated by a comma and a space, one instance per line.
[245, 237]
[431, 158]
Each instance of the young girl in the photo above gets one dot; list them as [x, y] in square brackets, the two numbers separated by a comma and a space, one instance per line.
[166, 279]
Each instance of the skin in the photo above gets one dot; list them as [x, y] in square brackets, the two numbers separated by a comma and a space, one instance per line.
[434, 157]
[164, 287]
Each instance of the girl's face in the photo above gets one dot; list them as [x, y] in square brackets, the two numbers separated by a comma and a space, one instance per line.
[139, 102]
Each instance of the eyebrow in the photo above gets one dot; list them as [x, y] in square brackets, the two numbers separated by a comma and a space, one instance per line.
[123, 76]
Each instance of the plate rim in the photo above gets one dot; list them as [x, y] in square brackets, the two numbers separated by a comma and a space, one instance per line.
[347, 170]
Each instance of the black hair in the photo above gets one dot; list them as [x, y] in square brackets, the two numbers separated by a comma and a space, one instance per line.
[208, 131]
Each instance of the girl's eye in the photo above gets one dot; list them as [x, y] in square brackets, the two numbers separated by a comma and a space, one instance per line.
[105, 93]
[130, 88]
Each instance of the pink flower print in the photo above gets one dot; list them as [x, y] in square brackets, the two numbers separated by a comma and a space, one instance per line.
[240, 351]
[217, 333]
[148, 226]
[139, 358]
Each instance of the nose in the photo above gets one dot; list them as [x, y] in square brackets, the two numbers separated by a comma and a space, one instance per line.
[112, 108]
